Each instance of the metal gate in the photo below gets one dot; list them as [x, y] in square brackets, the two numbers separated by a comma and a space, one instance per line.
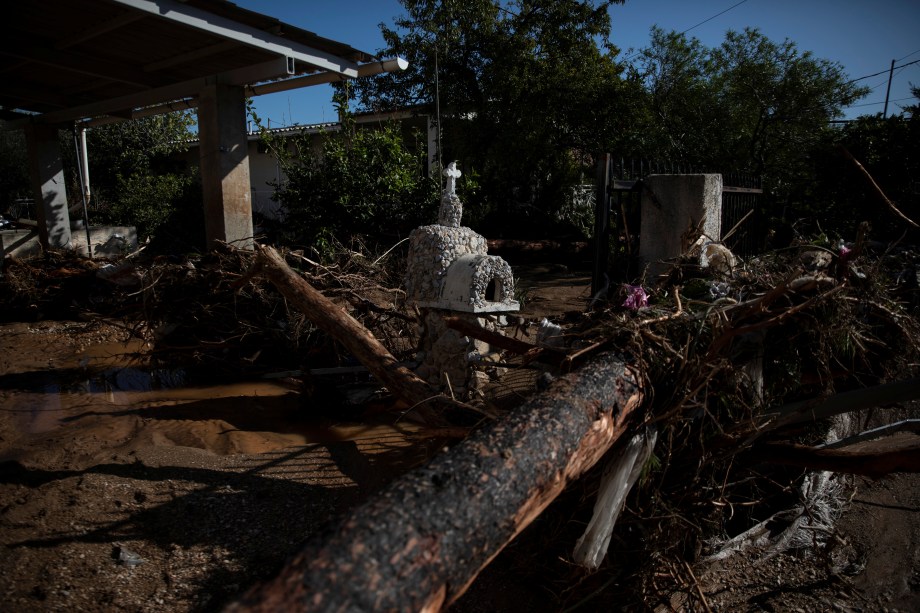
[618, 199]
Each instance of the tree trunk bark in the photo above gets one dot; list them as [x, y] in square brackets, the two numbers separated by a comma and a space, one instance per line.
[419, 544]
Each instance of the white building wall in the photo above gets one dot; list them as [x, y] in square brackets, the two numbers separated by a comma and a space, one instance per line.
[264, 170]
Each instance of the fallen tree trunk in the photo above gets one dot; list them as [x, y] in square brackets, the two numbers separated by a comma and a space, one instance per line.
[336, 322]
[419, 544]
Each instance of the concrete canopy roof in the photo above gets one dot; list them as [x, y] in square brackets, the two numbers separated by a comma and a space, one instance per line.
[72, 60]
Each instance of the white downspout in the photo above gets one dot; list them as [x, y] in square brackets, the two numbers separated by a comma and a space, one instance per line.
[85, 165]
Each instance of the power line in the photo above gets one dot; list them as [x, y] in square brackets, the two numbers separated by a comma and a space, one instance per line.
[877, 85]
[885, 80]
[908, 55]
[707, 20]
[713, 17]
[853, 106]
[875, 74]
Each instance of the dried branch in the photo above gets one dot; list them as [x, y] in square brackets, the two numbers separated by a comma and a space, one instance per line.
[875, 186]
[812, 410]
[894, 456]
[401, 381]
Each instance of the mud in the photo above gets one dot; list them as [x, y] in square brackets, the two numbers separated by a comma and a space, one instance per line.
[129, 486]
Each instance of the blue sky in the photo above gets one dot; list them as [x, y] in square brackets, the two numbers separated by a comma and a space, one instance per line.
[861, 35]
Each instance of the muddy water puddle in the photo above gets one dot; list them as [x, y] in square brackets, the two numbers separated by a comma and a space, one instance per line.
[72, 392]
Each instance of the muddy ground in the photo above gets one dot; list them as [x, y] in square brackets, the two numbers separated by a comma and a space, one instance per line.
[135, 489]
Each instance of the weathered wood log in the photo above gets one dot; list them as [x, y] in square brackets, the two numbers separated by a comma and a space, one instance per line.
[336, 322]
[530, 351]
[874, 460]
[419, 544]
[812, 410]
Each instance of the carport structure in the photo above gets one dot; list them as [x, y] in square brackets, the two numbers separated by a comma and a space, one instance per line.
[88, 62]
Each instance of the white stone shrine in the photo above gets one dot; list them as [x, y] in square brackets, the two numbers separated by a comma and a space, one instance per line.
[450, 272]
[449, 265]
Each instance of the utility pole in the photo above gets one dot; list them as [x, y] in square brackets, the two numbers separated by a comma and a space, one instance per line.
[888, 93]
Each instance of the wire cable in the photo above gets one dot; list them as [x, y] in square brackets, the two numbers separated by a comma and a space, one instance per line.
[875, 74]
[626, 59]
[853, 106]
[714, 16]
[907, 56]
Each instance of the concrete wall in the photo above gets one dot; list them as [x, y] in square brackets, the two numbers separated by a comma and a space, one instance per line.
[263, 171]
[107, 241]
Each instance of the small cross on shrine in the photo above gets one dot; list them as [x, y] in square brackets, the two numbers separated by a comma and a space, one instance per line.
[452, 173]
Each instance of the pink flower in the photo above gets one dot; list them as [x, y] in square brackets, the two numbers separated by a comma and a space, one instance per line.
[636, 298]
[845, 253]
[843, 263]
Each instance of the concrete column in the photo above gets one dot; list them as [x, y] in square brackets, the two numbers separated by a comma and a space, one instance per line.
[224, 150]
[47, 173]
[672, 207]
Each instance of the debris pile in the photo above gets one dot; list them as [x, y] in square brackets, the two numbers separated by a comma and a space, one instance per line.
[762, 375]
[201, 310]
[748, 367]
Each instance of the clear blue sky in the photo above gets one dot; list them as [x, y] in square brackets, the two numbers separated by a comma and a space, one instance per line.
[862, 35]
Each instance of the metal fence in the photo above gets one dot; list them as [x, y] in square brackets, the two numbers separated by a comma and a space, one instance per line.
[742, 213]
[618, 222]
[21, 208]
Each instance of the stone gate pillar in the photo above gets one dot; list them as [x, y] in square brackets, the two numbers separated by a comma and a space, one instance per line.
[673, 206]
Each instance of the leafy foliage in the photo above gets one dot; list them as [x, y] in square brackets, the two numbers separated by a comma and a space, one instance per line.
[136, 178]
[750, 105]
[525, 94]
[361, 182]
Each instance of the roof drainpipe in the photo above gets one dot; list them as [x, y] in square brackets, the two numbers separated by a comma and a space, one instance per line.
[86, 190]
[364, 70]
[83, 169]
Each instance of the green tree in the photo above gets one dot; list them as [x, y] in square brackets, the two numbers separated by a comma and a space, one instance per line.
[527, 91]
[779, 103]
[365, 183]
[137, 178]
[14, 175]
[750, 104]
[679, 118]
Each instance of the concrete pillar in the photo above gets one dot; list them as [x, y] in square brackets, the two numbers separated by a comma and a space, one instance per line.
[47, 173]
[224, 150]
[672, 207]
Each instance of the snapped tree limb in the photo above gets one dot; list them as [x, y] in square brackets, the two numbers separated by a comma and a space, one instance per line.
[811, 410]
[419, 544]
[875, 186]
[336, 322]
